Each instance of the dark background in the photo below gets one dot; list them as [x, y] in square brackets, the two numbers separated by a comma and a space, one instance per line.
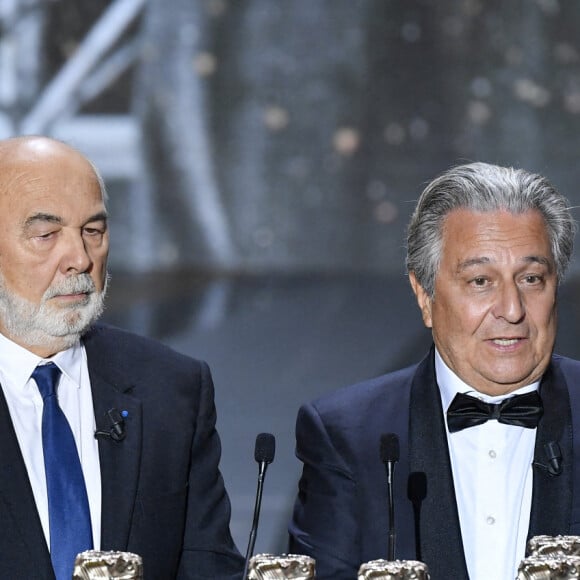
[262, 159]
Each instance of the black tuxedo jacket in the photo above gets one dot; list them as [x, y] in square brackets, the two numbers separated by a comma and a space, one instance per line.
[162, 494]
[341, 512]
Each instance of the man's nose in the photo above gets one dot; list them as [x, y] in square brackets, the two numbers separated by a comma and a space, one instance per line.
[75, 257]
[509, 304]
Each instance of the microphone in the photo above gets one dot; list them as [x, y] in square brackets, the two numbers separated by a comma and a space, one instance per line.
[417, 492]
[553, 453]
[264, 455]
[554, 456]
[389, 456]
[116, 429]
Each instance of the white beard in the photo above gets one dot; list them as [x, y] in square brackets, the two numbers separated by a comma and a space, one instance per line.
[47, 326]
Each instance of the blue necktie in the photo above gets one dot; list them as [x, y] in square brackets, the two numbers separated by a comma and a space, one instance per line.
[68, 504]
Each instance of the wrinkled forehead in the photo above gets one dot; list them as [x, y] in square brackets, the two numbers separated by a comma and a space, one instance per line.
[469, 235]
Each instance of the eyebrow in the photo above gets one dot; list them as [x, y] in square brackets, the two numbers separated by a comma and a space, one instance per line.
[54, 219]
[485, 260]
[42, 217]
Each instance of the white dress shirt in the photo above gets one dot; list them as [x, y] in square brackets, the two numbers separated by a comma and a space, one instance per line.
[492, 475]
[25, 405]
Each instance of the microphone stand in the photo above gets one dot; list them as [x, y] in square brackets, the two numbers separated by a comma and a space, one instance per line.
[264, 454]
[392, 535]
[254, 531]
[389, 456]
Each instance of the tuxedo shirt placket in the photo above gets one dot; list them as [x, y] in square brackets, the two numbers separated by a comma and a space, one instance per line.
[492, 474]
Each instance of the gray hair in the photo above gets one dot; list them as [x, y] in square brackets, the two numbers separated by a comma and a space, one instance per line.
[482, 187]
[101, 182]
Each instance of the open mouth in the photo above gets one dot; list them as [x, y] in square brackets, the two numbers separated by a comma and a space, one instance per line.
[506, 341]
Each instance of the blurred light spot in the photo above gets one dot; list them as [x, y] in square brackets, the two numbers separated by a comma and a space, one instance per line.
[386, 212]
[263, 237]
[549, 6]
[346, 141]
[566, 53]
[216, 8]
[394, 134]
[418, 129]
[276, 118]
[376, 190]
[572, 102]
[480, 87]
[530, 92]
[478, 112]
[205, 64]
[411, 32]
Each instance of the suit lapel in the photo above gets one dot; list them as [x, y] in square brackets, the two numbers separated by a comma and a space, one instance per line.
[552, 495]
[440, 529]
[119, 460]
[16, 494]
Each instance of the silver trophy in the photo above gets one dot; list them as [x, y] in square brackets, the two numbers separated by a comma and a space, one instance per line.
[94, 565]
[551, 567]
[393, 570]
[549, 545]
[269, 567]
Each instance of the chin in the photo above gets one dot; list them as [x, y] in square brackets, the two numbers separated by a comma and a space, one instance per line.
[77, 320]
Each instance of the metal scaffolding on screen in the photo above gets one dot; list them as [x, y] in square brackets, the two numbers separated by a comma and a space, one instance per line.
[29, 106]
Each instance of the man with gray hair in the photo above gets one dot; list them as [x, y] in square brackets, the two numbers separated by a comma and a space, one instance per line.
[487, 421]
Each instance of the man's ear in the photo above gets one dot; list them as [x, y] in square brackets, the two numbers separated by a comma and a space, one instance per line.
[423, 299]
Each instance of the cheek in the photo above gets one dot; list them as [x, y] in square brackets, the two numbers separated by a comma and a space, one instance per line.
[544, 316]
[459, 319]
[99, 255]
[99, 270]
[546, 327]
[30, 284]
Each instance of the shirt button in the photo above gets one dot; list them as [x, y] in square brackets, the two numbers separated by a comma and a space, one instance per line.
[490, 520]
[492, 454]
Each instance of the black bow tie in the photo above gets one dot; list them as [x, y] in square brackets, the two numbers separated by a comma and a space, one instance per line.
[520, 410]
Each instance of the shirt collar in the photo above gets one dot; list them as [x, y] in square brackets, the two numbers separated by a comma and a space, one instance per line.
[450, 384]
[19, 363]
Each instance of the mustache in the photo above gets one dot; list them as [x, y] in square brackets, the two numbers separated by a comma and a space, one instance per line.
[80, 284]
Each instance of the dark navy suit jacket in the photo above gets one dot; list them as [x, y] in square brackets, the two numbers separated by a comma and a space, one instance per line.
[341, 512]
[162, 494]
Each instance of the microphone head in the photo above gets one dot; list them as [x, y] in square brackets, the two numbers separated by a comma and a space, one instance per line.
[389, 447]
[265, 448]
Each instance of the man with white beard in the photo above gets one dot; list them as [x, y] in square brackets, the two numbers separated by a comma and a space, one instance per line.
[107, 439]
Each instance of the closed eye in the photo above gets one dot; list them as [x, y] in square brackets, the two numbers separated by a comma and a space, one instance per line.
[45, 236]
